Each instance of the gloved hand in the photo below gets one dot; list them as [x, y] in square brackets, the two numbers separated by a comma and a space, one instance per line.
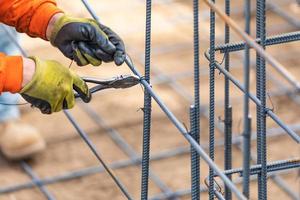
[51, 88]
[86, 41]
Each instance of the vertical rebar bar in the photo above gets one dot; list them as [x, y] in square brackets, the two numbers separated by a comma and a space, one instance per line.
[147, 106]
[212, 101]
[227, 109]
[195, 110]
[195, 170]
[247, 118]
[196, 65]
[261, 94]
[247, 157]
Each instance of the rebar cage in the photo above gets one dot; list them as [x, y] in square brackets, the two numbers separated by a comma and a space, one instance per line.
[219, 182]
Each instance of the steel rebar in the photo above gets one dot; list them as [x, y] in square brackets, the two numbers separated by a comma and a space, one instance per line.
[195, 110]
[261, 94]
[147, 106]
[247, 117]
[212, 100]
[227, 107]
[270, 59]
[195, 169]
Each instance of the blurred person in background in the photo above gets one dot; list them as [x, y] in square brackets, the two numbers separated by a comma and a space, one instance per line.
[17, 139]
[46, 84]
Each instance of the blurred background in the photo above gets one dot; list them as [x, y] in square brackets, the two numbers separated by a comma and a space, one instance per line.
[172, 60]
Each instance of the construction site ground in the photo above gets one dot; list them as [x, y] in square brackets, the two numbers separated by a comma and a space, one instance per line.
[172, 54]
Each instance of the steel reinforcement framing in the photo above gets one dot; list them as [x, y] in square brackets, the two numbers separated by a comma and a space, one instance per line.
[219, 183]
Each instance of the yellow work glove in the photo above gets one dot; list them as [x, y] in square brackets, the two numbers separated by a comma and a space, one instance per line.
[86, 41]
[51, 88]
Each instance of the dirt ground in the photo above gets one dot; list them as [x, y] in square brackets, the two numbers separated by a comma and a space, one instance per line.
[172, 54]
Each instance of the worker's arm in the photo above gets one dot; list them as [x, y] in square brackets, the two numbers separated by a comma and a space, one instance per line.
[82, 40]
[45, 84]
[11, 73]
[28, 16]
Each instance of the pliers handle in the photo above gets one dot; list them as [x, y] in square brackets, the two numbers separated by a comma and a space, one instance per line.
[119, 82]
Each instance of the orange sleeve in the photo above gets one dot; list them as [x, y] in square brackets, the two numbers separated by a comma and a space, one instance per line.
[11, 73]
[28, 16]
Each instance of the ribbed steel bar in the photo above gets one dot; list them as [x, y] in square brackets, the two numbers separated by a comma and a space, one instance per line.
[147, 106]
[212, 100]
[196, 64]
[256, 169]
[247, 157]
[183, 130]
[195, 110]
[261, 93]
[270, 59]
[247, 117]
[227, 107]
[93, 148]
[195, 169]
[271, 167]
[258, 93]
[271, 40]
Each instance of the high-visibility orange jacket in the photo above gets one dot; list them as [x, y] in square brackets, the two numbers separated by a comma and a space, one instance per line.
[27, 16]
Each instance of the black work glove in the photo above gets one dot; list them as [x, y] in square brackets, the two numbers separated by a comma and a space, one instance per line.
[87, 42]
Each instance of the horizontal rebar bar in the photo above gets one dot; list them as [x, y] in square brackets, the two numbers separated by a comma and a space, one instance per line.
[272, 166]
[271, 40]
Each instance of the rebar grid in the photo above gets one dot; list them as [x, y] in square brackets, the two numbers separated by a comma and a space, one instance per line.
[264, 170]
